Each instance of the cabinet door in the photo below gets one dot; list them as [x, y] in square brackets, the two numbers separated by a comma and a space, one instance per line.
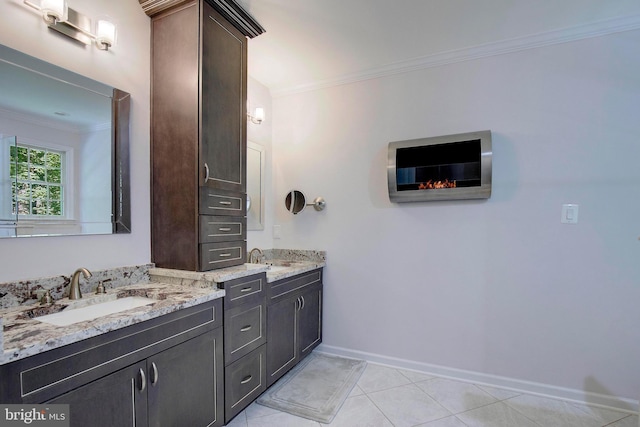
[281, 338]
[119, 399]
[185, 383]
[224, 121]
[310, 320]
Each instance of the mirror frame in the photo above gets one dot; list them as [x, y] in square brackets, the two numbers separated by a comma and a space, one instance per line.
[120, 123]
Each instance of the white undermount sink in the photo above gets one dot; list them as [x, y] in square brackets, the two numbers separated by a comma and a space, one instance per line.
[93, 311]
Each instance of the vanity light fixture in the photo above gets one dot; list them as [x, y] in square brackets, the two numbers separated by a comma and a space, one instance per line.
[60, 17]
[257, 117]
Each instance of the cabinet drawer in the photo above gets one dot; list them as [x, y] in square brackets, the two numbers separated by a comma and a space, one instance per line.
[221, 202]
[246, 290]
[282, 288]
[244, 330]
[244, 381]
[220, 255]
[222, 228]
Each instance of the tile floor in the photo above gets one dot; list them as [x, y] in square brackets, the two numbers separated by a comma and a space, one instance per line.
[387, 396]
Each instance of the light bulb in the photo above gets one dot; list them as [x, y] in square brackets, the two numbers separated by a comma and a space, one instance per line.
[105, 34]
[259, 114]
[54, 10]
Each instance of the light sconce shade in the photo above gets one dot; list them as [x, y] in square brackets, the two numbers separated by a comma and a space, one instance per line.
[258, 116]
[105, 34]
[71, 23]
[54, 11]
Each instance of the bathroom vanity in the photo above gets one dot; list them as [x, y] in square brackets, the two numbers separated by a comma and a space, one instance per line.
[201, 351]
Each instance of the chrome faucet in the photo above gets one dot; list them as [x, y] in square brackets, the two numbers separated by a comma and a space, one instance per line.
[74, 287]
[258, 258]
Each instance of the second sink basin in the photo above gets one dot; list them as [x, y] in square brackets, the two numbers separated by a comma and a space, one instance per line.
[90, 312]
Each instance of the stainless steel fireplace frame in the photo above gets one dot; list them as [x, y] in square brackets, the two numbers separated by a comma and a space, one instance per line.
[482, 191]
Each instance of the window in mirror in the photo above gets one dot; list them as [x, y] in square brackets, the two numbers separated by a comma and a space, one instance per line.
[37, 177]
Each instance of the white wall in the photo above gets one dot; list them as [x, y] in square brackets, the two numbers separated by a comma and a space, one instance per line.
[497, 287]
[127, 67]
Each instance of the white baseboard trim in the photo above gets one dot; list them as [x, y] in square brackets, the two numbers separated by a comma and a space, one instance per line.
[546, 390]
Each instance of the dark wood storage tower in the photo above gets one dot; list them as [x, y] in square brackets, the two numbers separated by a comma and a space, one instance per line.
[198, 133]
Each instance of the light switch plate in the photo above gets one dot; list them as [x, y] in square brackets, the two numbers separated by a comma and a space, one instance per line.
[569, 214]
[276, 232]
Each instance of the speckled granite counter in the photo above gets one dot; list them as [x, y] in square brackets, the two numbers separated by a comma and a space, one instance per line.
[24, 336]
[172, 290]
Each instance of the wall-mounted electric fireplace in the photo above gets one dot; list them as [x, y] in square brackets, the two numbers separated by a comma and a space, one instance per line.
[445, 167]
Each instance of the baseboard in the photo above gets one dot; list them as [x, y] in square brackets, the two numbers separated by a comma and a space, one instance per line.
[573, 395]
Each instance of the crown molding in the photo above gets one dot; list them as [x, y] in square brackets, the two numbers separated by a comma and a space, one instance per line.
[566, 35]
[230, 9]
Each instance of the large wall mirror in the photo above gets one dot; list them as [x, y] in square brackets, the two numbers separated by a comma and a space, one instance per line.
[64, 151]
[255, 186]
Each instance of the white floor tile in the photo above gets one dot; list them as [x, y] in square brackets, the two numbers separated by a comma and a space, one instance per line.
[451, 421]
[552, 413]
[389, 397]
[602, 415]
[377, 377]
[239, 421]
[281, 419]
[499, 393]
[357, 391]
[495, 415]
[456, 396]
[415, 376]
[254, 410]
[628, 421]
[407, 406]
[359, 411]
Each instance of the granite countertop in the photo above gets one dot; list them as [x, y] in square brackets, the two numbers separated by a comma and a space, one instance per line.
[22, 336]
[276, 269]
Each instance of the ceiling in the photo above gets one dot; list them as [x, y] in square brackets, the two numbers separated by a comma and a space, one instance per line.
[310, 43]
[36, 97]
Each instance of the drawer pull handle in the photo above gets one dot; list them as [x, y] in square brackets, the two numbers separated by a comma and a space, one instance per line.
[246, 379]
[225, 203]
[245, 329]
[247, 289]
[224, 255]
[143, 380]
[224, 229]
[206, 172]
[154, 371]
[303, 303]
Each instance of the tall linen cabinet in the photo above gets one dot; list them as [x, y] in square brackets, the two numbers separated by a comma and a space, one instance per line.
[198, 134]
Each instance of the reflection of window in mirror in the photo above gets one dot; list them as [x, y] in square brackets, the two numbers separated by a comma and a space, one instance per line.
[38, 187]
[255, 186]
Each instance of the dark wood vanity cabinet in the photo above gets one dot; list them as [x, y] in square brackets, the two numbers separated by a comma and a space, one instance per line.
[294, 321]
[245, 338]
[165, 371]
[198, 135]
